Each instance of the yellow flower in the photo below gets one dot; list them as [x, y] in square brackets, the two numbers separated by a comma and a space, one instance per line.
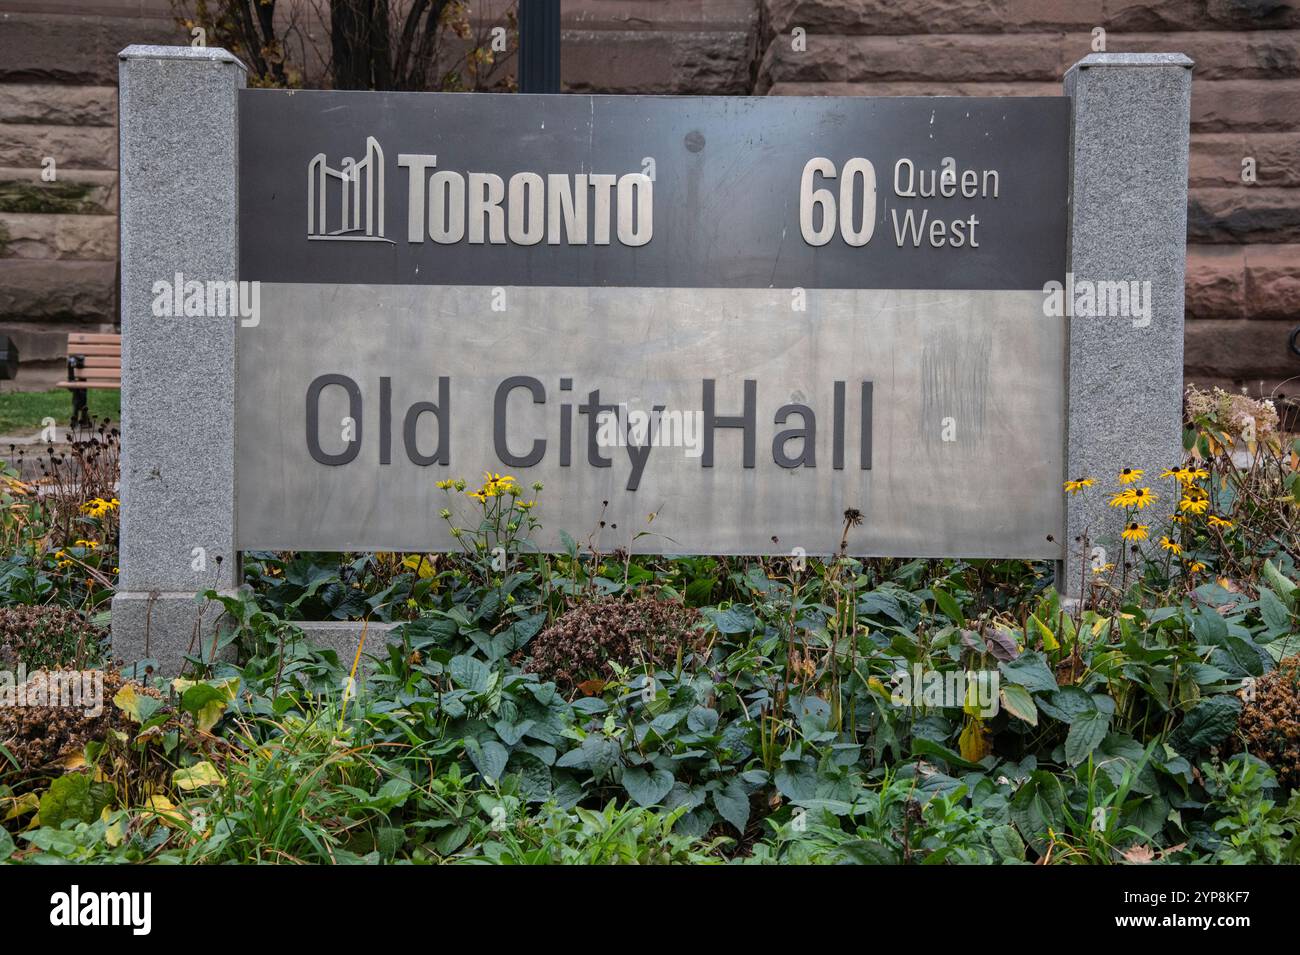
[1135, 531]
[90, 544]
[445, 485]
[1177, 472]
[1122, 499]
[527, 505]
[1215, 521]
[1103, 569]
[479, 496]
[1169, 545]
[1142, 496]
[1129, 475]
[1077, 485]
[1196, 567]
[1195, 473]
[1197, 505]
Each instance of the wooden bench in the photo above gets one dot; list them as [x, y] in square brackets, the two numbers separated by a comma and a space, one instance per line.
[94, 361]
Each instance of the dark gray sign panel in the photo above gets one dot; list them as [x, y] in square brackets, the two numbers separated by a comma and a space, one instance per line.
[477, 189]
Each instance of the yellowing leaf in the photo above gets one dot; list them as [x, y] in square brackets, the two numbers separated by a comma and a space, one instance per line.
[115, 831]
[974, 743]
[1045, 634]
[73, 761]
[198, 775]
[165, 809]
[128, 701]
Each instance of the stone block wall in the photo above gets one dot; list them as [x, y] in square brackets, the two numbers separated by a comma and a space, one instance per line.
[58, 68]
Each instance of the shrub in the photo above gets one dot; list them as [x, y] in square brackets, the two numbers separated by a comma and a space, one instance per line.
[1270, 723]
[48, 636]
[641, 632]
[37, 736]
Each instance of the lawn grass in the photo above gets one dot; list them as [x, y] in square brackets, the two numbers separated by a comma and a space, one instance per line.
[23, 411]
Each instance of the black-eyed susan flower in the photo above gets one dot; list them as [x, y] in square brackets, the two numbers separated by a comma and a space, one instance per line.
[1141, 497]
[1171, 546]
[1195, 474]
[1078, 484]
[1134, 531]
[1195, 567]
[1102, 569]
[1216, 521]
[1177, 473]
[1194, 504]
[1129, 475]
[1122, 499]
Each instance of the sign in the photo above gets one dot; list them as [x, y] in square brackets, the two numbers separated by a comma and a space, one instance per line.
[705, 325]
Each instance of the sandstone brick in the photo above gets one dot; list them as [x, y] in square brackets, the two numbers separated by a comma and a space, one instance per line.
[657, 62]
[29, 236]
[1244, 214]
[74, 192]
[1239, 349]
[1219, 54]
[658, 15]
[892, 18]
[1273, 282]
[1216, 158]
[1200, 15]
[87, 147]
[1256, 105]
[1216, 281]
[915, 88]
[946, 57]
[58, 105]
[49, 48]
[1015, 56]
[45, 290]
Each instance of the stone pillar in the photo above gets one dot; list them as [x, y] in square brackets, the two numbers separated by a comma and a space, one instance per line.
[179, 139]
[1128, 222]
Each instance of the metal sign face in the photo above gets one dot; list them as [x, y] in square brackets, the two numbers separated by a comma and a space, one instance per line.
[706, 325]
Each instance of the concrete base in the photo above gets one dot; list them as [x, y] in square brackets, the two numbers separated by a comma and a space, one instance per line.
[165, 628]
[344, 636]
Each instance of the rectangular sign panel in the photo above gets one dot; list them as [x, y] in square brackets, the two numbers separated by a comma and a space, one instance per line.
[706, 325]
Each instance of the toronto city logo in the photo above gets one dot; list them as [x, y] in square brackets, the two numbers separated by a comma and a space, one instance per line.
[449, 206]
[360, 191]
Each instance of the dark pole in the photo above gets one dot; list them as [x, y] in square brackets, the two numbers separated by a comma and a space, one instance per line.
[539, 46]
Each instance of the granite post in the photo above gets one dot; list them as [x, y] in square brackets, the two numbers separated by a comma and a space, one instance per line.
[1127, 224]
[179, 207]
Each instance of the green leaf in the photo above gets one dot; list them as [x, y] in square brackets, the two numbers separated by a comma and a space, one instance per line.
[647, 788]
[948, 604]
[489, 758]
[732, 804]
[1086, 733]
[737, 618]
[1008, 844]
[1276, 617]
[74, 796]
[1031, 671]
[1207, 724]
[470, 673]
[6, 844]
[1279, 582]
[701, 719]
[1017, 701]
